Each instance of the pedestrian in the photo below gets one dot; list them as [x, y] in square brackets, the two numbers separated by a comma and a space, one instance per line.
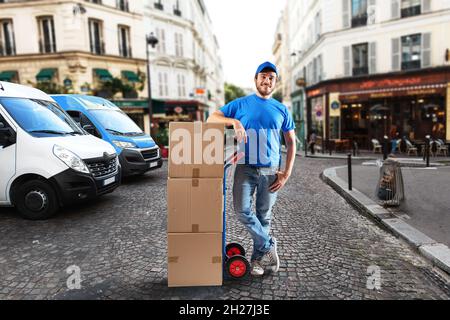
[261, 173]
[312, 142]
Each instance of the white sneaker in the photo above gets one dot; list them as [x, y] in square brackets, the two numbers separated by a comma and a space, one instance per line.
[271, 257]
[257, 269]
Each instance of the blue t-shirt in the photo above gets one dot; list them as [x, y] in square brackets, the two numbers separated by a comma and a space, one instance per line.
[263, 121]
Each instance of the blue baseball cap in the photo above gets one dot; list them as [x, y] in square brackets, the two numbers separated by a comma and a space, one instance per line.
[267, 65]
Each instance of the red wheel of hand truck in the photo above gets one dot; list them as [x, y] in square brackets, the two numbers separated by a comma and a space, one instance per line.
[237, 267]
[234, 249]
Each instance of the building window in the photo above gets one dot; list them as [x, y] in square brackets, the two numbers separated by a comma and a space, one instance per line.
[124, 42]
[411, 8]
[411, 51]
[359, 13]
[161, 35]
[179, 44]
[47, 41]
[159, 5]
[96, 36]
[318, 26]
[360, 59]
[7, 43]
[163, 84]
[181, 86]
[176, 8]
[122, 5]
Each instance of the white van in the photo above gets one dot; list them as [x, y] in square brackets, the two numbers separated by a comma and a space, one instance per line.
[46, 160]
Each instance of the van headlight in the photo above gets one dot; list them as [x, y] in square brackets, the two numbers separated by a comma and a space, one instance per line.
[124, 145]
[70, 159]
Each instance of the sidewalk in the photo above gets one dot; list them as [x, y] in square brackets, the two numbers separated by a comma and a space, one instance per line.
[422, 220]
[427, 203]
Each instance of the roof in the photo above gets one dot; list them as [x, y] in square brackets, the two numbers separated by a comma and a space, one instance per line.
[12, 90]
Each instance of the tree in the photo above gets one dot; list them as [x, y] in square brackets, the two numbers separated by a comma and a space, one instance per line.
[232, 92]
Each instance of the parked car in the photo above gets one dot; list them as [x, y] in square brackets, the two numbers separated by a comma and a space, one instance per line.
[47, 161]
[138, 152]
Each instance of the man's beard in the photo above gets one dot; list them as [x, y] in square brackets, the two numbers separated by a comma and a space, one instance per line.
[264, 91]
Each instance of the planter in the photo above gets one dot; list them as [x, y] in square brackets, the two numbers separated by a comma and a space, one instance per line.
[165, 152]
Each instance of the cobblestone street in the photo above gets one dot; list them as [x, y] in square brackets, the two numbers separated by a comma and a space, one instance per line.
[119, 243]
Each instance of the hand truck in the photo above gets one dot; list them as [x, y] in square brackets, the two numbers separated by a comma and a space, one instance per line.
[235, 264]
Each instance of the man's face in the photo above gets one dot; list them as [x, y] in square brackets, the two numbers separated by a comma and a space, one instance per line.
[265, 83]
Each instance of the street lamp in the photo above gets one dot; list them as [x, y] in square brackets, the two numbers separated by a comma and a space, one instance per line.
[153, 41]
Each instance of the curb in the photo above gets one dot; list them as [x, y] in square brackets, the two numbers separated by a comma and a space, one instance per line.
[437, 253]
[339, 157]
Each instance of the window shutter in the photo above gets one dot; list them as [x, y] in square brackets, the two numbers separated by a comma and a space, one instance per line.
[320, 68]
[396, 59]
[347, 62]
[426, 50]
[395, 9]
[426, 6]
[372, 57]
[372, 12]
[346, 13]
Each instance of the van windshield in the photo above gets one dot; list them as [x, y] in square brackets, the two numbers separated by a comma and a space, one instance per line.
[116, 122]
[40, 118]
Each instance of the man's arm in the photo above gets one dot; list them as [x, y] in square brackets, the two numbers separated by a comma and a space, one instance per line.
[219, 117]
[284, 176]
[291, 146]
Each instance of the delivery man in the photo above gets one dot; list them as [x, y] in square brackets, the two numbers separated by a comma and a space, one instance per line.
[258, 120]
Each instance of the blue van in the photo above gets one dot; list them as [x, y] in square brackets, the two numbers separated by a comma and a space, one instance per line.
[138, 152]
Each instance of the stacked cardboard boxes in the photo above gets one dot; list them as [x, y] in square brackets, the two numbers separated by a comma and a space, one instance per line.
[195, 204]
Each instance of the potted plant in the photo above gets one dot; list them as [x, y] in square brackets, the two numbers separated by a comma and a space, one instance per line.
[162, 139]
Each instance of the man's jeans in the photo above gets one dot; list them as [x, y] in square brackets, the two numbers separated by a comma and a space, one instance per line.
[247, 180]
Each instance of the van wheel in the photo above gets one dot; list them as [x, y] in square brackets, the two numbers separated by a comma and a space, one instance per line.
[36, 200]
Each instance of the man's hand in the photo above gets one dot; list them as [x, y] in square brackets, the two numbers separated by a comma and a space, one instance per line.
[239, 129]
[281, 181]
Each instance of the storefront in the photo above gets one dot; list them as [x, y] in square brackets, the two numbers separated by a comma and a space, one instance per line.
[138, 111]
[411, 105]
[189, 110]
[299, 114]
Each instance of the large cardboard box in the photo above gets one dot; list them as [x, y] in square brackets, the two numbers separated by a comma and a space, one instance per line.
[196, 150]
[195, 259]
[195, 205]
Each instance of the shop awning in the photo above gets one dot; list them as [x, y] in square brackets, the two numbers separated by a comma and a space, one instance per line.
[103, 74]
[130, 76]
[7, 75]
[45, 74]
[432, 89]
[158, 106]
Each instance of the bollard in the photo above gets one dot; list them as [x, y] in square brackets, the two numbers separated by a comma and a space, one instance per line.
[427, 150]
[305, 145]
[350, 186]
[385, 147]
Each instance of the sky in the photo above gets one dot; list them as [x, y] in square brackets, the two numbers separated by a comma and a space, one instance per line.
[245, 30]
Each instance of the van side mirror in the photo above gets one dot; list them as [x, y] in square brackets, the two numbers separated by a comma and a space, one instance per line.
[89, 128]
[7, 135]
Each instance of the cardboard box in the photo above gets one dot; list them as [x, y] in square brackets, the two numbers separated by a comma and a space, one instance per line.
[196, 150]
[195, 205]
[195, 259]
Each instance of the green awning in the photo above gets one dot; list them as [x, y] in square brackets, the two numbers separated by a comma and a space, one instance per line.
[45, 74]
[103, 74]
[130, 76]
[7, 75]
